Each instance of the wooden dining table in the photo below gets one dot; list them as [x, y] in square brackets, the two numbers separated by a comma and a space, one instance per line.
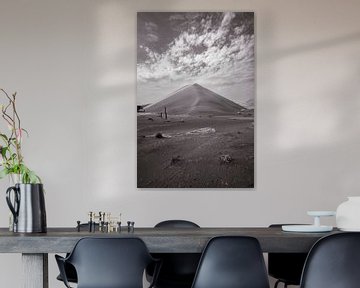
[35, 247]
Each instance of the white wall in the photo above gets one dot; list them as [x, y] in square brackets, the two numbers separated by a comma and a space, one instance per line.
[73, 66]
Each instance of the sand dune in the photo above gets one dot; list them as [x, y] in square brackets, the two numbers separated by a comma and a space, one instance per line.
[195, 100]
[199, 152]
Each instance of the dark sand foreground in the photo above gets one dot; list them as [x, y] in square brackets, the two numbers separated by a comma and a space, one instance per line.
[195, 151]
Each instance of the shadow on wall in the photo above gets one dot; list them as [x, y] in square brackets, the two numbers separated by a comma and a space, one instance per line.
[307, 115]
[272, 56]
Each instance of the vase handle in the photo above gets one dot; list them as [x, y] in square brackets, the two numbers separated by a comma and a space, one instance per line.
[13, 208]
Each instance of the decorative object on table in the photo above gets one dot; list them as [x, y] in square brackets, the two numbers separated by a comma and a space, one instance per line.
[195, 94]
[348, 214]
[78, 225]
[131, 226]
[316, 227]
[28, 208]
[27, 203]
[102, 222]
[12, 161]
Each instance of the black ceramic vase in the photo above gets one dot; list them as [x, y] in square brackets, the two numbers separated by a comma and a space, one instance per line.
[27, 204]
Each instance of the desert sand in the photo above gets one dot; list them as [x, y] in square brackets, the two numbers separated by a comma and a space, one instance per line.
[206, 141]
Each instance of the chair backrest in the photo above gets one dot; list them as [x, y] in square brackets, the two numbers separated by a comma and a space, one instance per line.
[333, 262]
[110, 262]
[232, 262]
[287, 267]
[178, 269]
[176, 224]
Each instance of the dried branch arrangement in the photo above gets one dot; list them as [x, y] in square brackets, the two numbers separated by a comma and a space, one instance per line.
[11, 158]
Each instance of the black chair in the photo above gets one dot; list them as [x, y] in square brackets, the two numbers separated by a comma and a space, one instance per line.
[69, 269]
[178, 269]
[286, 267]
[108, 263]
[232, 262]
[333, 262]
[176, 224]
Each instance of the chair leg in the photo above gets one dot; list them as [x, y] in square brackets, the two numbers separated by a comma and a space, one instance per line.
[278, 282]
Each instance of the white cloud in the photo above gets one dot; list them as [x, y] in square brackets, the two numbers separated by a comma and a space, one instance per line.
[228, 16]
[152, 32]
[204, 54]
[152, 37]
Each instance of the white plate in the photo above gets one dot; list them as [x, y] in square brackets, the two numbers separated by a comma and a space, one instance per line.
[321, 213]
[306, 228]
[350, 229]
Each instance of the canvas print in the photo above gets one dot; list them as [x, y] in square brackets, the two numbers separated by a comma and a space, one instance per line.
[195, 100]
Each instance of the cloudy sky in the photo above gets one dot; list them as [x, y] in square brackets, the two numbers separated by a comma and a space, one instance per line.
[215, 50]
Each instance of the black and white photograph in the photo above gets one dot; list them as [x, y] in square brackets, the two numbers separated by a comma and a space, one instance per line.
[195, 99]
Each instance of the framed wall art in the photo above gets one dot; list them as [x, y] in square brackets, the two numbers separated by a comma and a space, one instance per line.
[195, 99]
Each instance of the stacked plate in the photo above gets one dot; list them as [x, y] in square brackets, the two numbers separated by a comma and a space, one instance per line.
[316, 227]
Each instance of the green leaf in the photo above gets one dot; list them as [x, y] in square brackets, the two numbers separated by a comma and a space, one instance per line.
[26, 132]
[3, 151]
[33, 178]
[4, 137]
[27, 175]
[4, 173]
